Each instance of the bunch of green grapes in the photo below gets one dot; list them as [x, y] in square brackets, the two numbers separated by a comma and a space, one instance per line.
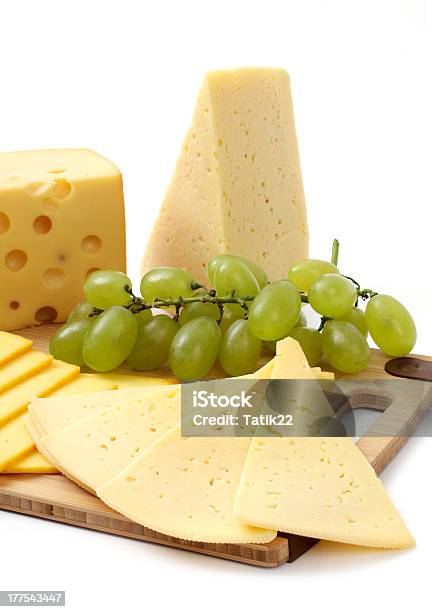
[233, 321]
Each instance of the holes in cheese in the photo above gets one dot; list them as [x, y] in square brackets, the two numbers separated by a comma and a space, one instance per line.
[96, 448]
[46, 314]
[185, 488]
[45, 215]
[318, 487]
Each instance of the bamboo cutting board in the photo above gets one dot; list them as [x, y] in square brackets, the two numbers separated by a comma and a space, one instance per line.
[56, 498]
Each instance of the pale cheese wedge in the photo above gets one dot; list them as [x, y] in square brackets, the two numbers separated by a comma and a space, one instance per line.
[55, 413]
[22, 367]
[95, 449]
[15, 400]
[318, 487]
[185, 488]
[12, 346]
[33, 463]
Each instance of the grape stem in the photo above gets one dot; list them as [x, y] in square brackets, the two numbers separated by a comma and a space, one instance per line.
[335, 252]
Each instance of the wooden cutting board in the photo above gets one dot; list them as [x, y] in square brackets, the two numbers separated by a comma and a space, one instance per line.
[56, 498]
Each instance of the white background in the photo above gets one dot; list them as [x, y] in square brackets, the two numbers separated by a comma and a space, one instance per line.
[121, 78]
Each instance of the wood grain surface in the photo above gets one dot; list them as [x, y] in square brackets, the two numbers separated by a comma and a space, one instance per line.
[56, 498]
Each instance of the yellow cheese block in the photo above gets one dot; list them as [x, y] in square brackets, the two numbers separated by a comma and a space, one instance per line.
[318, 487]
[22, 367]
[85, 383]
[61, 216]
[12, 346]
[186, 488]
[15, 441]
[55, 413]
[33, 463]
[15, 400]
[96, 448]
[237, 187]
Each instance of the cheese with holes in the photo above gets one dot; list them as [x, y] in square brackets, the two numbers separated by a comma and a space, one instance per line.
[33, 463]
[318, 487]
[15, 400]
[237, 187]
[61, 216]
[22, 368]
[55, 413]
[96, 448]
[12, 346]
[186, 488]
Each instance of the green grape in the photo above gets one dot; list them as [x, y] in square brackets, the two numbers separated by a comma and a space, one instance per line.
[233, 275]
[357, 318]
[80, 311]
[274, 311]
[345, 348]
[310, 341]
[269, 346]
[165, 283]
[257, 271]
[151, 349]
[228, 319]
[305, 272]
[332, 295]
[199, 309]
[106, 288]
[143, 315]
[301, 321]
[110, 339]
[240, 349]
[67, 342]
[391, 325]
[195, 348]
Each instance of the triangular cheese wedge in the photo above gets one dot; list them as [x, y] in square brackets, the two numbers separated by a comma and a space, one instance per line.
[318, 487]
[185, 488]
[96, 448]
[237, 187]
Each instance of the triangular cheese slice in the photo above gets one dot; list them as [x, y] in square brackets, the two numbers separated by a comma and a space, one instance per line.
[185, 488]
[96, 448]
[318, 487]
[237, 187]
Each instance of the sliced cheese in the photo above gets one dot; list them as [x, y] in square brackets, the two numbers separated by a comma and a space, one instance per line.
[130, 381]
[15, 400]
[321, 488]
[22, 368]
[237, 187]
[95, 449]
[55, 413]
[33, 463]
[85, 383]
[185, 488]
[61, 216]
[15, 441]
[12, 346]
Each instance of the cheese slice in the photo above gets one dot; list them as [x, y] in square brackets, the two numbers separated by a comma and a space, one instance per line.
[95, 449]
[33, 463]
[85, 383]
[12, 346]
[61, 217]
[237, 186]
[22, 367]
[55, 413]
[15, 441]
[321, 488]
[132, 381]
[15, 400]
[185, 488]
